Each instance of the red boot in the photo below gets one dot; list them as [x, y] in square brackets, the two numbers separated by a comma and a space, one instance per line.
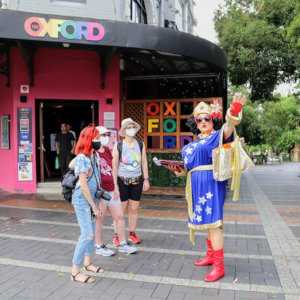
[208, 259]
[218, 267]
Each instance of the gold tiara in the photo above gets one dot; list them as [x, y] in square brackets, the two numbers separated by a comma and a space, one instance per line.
[202, 108]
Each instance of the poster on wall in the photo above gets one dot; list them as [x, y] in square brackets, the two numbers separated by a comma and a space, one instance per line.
[113, 138]
[25, 144]
[109, 119]
[5, 141]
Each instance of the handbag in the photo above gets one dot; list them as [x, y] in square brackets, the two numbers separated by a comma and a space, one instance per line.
[69, 181]
[229, 161]
[222, 158]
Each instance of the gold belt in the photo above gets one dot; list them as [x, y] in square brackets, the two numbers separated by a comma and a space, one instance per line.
[188, 194]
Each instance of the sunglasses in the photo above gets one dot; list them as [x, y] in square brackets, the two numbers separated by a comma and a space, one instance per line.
[199, 120]
[105, 134]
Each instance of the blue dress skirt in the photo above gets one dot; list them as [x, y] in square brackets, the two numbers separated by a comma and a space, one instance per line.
[208, 195]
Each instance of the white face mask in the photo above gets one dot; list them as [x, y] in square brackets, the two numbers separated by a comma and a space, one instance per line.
[130, 132]
[104, 140]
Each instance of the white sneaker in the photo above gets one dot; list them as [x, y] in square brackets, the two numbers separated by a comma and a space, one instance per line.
[125, 248]
[104, 251]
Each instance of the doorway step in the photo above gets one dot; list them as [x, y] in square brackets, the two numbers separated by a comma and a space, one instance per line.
[49, 191]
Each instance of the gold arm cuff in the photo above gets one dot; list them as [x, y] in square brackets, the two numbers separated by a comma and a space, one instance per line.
[233, 120]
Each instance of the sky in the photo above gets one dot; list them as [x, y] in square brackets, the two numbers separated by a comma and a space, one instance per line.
[204, 13]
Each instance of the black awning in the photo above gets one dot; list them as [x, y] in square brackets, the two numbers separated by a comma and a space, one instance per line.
[16, 25]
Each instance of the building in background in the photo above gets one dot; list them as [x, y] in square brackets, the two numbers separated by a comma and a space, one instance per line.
[91, 61]
[176, 14]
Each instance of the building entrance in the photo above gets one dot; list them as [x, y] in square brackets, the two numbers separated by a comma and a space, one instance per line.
[50, 114]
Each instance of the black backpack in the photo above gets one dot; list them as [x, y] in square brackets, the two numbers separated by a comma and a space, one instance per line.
[68, 184]
[69, 181]
[120, 146]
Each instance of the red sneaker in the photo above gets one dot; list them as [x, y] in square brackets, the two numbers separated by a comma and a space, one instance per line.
[134, 238]
[115, 240]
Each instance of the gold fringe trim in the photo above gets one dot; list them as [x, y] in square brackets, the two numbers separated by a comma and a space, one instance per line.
[193, 228]
[236, 170]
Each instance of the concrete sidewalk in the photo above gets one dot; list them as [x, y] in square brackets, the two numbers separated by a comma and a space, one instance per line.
[262, 248]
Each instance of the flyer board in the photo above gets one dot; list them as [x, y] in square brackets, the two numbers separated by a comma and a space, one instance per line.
[25, 144]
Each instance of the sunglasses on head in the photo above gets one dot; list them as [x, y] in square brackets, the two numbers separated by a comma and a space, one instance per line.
[200, 119]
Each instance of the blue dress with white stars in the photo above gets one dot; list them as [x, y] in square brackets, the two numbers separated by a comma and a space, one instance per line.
[208, 195]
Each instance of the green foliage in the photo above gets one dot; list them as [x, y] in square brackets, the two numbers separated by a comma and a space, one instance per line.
[293, 32]
[254, 35]
[258, 149]
[250, 128]
[258, 152]
[273, 124]
[288, 140]
[280, 117]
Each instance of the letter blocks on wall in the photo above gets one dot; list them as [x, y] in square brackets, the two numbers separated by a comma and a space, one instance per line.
[166, 127]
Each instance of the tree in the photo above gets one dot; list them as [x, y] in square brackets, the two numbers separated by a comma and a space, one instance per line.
[293, 32]
[278, 118]
[250, 127]
[253, 33]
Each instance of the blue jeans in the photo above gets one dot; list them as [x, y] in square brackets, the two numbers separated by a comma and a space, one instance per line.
[85, 244]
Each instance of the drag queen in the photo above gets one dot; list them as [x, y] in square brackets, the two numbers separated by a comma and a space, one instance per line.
[205, 196]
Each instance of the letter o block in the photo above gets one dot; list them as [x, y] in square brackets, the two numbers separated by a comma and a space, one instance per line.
[170, 125]
[153, 109]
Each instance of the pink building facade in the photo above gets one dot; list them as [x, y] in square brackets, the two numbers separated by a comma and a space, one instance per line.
[56, 69]
[61, 75]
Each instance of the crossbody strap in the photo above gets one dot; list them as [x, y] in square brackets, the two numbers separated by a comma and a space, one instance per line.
[94, 173]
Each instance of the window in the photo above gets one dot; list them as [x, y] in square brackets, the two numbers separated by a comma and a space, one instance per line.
[190, 22]
[69, 2]
[158, 12]
[138, 12]
[179, 10]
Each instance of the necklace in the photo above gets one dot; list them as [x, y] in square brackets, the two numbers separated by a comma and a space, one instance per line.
[205, 135]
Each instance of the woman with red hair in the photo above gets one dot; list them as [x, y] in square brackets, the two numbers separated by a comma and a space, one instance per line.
[83, 199]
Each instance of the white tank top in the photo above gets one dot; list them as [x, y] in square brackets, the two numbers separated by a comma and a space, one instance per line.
[130, 162]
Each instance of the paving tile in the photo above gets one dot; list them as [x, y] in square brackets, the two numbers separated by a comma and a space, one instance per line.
[265, 273]
[162, 291]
